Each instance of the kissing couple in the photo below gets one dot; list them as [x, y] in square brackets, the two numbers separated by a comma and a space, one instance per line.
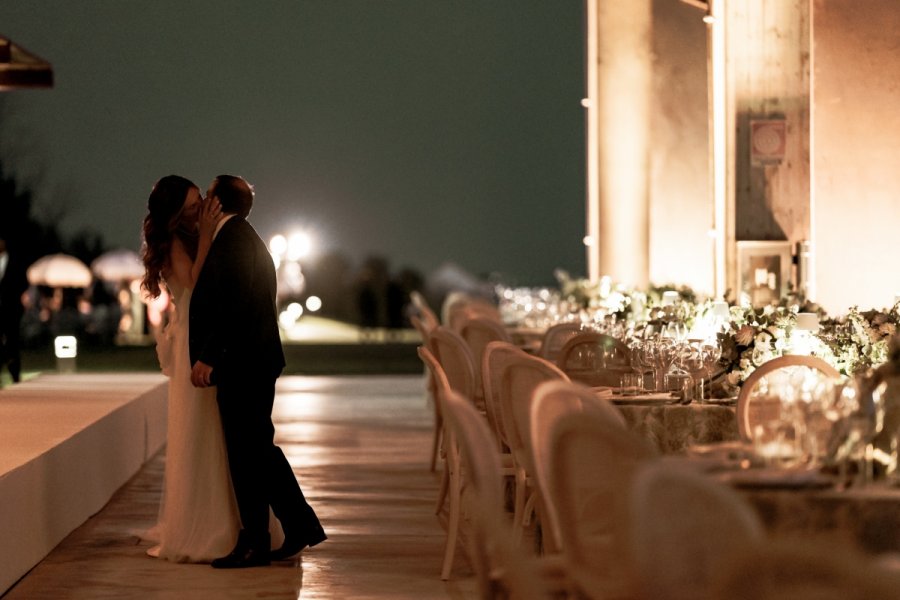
[230, 496]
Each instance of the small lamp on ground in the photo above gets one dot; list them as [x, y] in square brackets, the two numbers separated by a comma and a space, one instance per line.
[66, 349]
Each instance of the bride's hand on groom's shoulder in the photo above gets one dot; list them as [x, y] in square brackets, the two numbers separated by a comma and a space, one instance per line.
[210, 215]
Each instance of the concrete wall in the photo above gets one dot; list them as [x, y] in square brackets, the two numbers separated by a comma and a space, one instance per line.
[856, 152]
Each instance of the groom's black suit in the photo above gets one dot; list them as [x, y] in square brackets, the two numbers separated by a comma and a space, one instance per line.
[234, 329]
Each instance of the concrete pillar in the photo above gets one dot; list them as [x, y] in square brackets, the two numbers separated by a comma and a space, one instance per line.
[619, 97]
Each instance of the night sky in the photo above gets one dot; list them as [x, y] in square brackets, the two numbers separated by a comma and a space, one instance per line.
[418, 130]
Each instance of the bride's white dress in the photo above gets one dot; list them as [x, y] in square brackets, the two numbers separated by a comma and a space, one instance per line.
[198, 516]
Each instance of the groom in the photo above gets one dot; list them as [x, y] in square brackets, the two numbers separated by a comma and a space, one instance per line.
[234, 344]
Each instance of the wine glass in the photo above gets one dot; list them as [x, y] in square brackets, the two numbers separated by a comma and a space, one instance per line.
[710, 353]
[665, 354]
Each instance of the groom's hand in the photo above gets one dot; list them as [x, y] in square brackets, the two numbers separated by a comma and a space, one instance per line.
[201, 374]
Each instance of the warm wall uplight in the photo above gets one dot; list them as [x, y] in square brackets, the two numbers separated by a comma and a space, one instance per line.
[586, 102]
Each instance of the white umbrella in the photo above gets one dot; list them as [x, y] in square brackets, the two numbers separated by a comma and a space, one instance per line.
[59, 270]
[118, 265]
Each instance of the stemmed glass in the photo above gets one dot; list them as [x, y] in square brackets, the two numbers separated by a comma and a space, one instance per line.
[665, 354]
[860, 416]
[638, 363]
[710, 353]
[679, 378]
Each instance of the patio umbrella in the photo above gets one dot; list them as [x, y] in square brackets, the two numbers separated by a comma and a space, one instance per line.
[59, 270]
[118, 265]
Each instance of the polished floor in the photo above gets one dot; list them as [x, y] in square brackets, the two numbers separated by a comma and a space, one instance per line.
[359, 446]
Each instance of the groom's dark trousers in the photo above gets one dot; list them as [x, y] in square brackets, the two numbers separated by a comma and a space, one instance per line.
[260, 473]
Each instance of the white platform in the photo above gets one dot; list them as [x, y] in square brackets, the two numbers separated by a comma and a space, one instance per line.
[67, 443]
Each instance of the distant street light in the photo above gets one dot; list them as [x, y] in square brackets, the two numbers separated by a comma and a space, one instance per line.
[299, 245]
[313, 303]
[277, 248]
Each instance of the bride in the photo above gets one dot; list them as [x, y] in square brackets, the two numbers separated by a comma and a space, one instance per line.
[198, 516]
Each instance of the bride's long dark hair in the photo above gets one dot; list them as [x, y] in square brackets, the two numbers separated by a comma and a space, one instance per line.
[161, 226]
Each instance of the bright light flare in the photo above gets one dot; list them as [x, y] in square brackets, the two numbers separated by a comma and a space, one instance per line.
[288, 317]
[278, 245]
[299, 245]
[313, 304]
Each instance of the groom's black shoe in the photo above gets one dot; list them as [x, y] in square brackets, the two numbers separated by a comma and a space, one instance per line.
[295, 543]
[250, 551]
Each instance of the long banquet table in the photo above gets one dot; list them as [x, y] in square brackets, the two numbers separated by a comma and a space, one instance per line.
[868, 517]
[672, 428]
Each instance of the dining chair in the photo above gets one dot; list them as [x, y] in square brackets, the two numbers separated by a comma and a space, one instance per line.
[473, 308]
[755, 407]
[592, 460]
[455, 358]
[806, 569]
[478, 332]
[502, 569]
[451, 482]
[684, 528]
[496, 357]
[430, 394]
[428, 316]
[595, 359]
[556, 337]
[458, 300]
[520, 377]
[552, 400]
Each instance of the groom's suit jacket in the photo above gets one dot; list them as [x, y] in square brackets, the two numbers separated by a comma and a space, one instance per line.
[233, 324]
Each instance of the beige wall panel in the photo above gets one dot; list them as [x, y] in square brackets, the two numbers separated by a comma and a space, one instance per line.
[856, 164]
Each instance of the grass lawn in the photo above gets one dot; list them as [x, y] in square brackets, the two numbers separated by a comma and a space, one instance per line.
[314, 346]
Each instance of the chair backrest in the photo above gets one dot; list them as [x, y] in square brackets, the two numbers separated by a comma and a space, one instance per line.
[552, 400]
[685, 527]
[454, 356]
[421, 327]
[478, 332]
[428, 316]
[491, 547]
[440, 386]
[556, 337]
[470, 309]
[753, 407]
[595, 359]
[521, 377]
[497, 356]
[592, 462]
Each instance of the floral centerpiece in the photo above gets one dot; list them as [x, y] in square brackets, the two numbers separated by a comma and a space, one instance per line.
[752, 337]
[860, 340]
[599, 296]
[852, 343]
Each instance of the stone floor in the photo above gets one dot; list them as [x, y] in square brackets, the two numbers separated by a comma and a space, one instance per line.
[359, 446]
